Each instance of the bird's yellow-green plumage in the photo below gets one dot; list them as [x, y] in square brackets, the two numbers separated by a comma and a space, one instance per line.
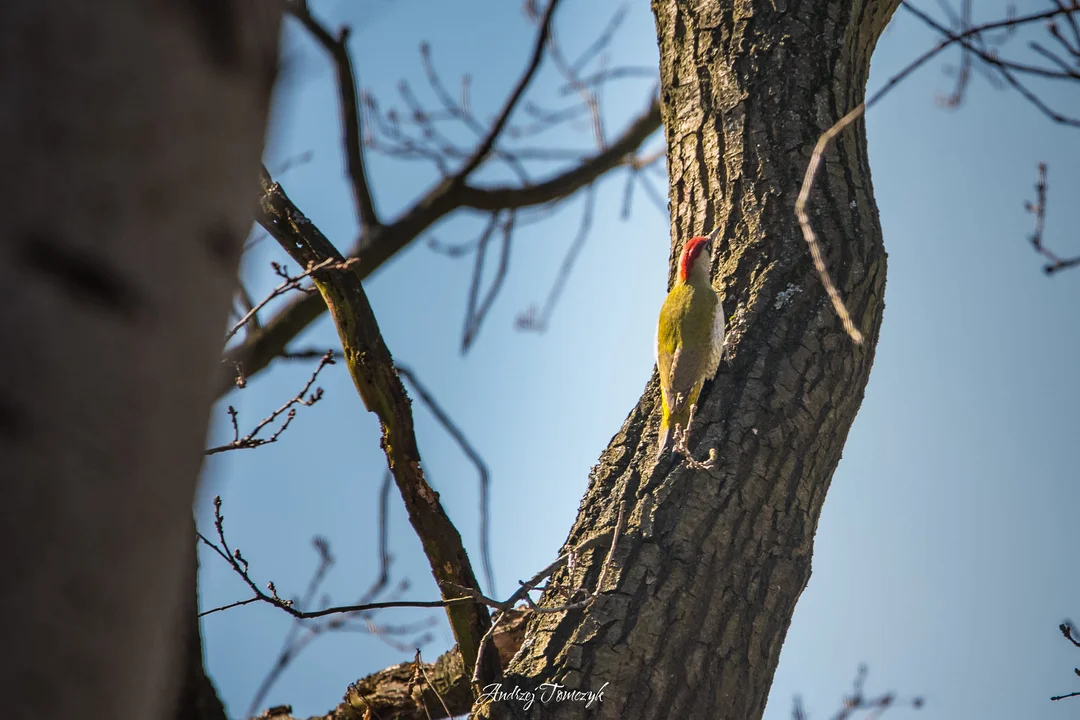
[689, 338]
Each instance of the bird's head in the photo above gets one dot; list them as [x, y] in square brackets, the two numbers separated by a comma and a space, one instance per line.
[697, 255]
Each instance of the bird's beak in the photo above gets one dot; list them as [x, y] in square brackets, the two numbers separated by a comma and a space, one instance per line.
[712, 239]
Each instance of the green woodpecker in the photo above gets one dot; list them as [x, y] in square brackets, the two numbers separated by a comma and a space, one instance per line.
[689, 336]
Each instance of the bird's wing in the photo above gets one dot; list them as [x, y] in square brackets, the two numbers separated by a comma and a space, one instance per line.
[686, 371]
[718, 339]
[663, 366]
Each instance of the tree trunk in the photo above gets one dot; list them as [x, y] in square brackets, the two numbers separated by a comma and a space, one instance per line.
[130, 135]
[198, 698]
[710, 565]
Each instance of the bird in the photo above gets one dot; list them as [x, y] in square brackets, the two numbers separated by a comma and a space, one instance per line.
[689, 336]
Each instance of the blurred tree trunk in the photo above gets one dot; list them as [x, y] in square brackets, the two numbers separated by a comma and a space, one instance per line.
[198, 698]
[710, 567]
[130, 133]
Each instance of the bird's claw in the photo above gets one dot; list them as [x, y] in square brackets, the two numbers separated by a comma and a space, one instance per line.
[681, 437]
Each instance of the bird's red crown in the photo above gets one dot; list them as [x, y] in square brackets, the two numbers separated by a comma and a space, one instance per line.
[690, 254]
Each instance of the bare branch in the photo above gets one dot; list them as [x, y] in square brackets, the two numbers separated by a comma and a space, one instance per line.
[968, 39]
[1038, 209]
[963, 22]
[302, 633]
[291, 283]
[589, 96]
[474, 457]
[384, 540]
[603, 76]
[452, 251]
[379, 386]
[538, 321]
[228, 606]
[586, 596]
[523, 82]
[1067, 630]
[240, 567]
[310, 354]
[474, 315]
[290, 648]
[252, 439]
[419, 662]
[294, 161]
[963, 37]
[808, 231]
[858, 701]
[617, 153]
[1074, 46]
[260, 348]
[350, 110]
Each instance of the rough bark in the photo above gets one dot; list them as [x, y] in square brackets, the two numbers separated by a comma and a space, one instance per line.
[396, 693]
[710, 567]
[130, 133]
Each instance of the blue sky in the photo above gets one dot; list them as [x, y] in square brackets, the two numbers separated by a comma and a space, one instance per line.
[942, 558]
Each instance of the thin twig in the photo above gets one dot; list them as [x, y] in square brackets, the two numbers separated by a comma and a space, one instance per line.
[538, 321]
[954, 99]
[350, 110]
[420, 664]
[291, 283]
[382, 392]
[259, 349]
[474, 457]
[497, 127]
[229, 606]
[252, 439]
[808, 231]
[1066, 629]
[293, 162]
[291, 646]
[1005, 68]
[302, 633]
[876, 706]
[1038, 209]
[1073, 25]
[475, 313]
[310, 354]
[384, 539]
[474, 287]
[240, 566]
[589, 597]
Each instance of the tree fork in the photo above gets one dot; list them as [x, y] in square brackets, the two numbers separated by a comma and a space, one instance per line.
[711, 565]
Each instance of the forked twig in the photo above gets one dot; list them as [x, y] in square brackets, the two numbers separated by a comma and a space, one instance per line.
[252, 439]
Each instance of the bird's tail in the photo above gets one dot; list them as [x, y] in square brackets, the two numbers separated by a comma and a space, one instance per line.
[665, 426]
[680, 416]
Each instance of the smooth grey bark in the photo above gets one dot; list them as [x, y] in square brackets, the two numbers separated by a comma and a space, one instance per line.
[710, 566]
[130, 132]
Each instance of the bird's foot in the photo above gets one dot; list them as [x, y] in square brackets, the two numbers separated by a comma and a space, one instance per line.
[681, 437]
